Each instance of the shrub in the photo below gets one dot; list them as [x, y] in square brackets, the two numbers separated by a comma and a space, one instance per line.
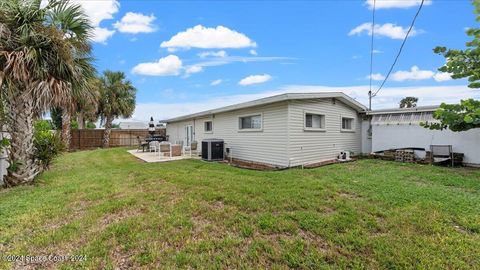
[91, 125]
[48, 143]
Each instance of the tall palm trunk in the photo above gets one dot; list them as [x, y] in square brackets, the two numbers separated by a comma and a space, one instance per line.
[66, 133]
[81, 120]
[108, 130]
[23, 166]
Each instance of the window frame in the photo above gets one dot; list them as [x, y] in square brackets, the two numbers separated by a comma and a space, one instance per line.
[204, 126]
[353, 124]
[323, 122]
[239, 123]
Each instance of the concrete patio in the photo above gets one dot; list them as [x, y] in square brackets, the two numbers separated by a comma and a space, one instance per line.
[154, 157]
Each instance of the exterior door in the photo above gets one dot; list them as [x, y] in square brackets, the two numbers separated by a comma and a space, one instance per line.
[188, 135]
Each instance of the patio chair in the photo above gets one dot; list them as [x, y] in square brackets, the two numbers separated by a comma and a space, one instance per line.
[165, 147]
[141, 144]
[192, 148]
[153, 146]
[441, 153]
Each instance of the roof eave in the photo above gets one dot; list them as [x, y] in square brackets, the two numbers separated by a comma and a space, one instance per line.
[273, 99]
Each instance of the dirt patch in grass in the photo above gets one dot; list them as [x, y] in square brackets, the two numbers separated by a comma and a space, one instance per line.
[218, 206]
[79, 211]
[199, 224]
[315, 240]
[348, 195]
[118, 216]
[121, 260]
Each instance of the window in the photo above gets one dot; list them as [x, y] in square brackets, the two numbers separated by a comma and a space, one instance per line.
[314, 121]
[250, 122]
[208, 126]
[347, 123]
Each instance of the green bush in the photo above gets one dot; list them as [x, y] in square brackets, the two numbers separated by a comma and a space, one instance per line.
[91, 125]
[48, 143]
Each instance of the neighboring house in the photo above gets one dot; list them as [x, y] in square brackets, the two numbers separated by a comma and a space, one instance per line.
[400, 128]
[133, 125]
[284, 130]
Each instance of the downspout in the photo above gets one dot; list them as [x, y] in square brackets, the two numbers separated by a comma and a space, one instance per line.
[288, 133]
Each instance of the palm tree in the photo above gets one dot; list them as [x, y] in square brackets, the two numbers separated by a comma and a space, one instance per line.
[87, 107]
[43, 64]
[84, 102]
[117, 99]
[76, 29]
[409, 102]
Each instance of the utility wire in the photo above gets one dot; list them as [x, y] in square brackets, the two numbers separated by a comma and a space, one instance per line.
[400, 50]
[371, 57]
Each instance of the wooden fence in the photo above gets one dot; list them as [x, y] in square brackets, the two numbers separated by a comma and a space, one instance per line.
[93, 138]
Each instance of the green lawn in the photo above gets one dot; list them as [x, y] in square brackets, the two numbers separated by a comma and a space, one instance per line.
[120, 212]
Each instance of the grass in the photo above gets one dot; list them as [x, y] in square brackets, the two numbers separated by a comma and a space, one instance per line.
[120, 212]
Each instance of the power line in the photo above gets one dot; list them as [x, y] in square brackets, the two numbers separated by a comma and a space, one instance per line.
[371, 57]
[400, 50]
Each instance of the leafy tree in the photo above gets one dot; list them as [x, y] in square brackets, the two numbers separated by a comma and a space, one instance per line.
[117, 99]
[461, 64]
[43, 62]
[457, 117]
[409, 102]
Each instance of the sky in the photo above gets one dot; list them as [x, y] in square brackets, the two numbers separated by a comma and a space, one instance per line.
[190, 56]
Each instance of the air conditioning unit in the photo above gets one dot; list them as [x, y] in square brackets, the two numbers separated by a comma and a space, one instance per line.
[344, 156]
[212, 149]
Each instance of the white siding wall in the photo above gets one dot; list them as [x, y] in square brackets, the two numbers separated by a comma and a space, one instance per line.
[399, 136]
[314, 146]
[266, 146]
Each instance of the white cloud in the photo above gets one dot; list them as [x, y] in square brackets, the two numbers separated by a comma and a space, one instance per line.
[193, 69]
[220, 61]
[97, 12]
[376, 77]
[216, 82]
[442, 76]
[221, 53]
[377, 51]
[208, 38]
[255, 79]
[386, 30]
[388, 97]
[170, 65]
[414, 74]
[253, 52]
[135, 23]
[384, 4]
[101, 35]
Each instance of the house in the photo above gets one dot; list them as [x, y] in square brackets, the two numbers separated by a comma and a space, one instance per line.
[285, 130]
[133, 125]
[400, 128]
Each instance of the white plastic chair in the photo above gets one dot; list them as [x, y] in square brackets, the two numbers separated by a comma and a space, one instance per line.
[191, 148]
[153, 146]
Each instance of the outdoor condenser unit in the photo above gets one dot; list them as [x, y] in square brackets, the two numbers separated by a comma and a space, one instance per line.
[212, 149]
[344, 156]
